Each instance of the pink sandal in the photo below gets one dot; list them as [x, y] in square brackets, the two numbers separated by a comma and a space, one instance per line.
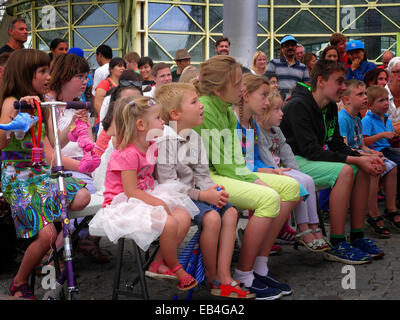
[152, 272]
[23, 288]
[187, 282]
[231, 291]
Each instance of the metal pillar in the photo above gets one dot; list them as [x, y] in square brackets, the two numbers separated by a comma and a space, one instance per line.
[240, 26]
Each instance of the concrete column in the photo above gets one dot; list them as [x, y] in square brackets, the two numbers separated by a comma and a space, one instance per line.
[240, 26]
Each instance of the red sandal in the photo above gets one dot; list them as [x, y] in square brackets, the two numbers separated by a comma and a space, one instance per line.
[187, 282]
[152, 272]
[23, 288]
[231, 291]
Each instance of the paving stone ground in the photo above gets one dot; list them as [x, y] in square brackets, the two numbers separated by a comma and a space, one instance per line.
[309, 275]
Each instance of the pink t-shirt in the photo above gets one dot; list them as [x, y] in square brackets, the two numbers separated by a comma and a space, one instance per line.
[131, 158]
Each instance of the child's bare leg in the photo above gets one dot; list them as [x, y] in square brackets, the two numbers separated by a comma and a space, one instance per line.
[373, 198]
[81, 200]
[34, 253]
[277, 223]
[390, 188]
[211, 228]
[183, 219]
[339, 200]
[226, 245]
[358, 205]
[254, 235]
[168, 244]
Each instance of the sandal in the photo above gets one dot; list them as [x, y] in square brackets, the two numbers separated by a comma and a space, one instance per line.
[187, 282]
[315, 246]
[23, 288]
[322, 241]
[153, 273]
[231, 291]
[382, 231]
[90, 247]
[389, 217]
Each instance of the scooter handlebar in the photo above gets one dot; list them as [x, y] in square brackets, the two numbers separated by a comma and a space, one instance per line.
[69, 104]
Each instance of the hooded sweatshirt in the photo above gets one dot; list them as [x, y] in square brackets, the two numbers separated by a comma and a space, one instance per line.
[308, 129]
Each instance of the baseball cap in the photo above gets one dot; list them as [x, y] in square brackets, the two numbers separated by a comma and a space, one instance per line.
[76, 50]
[354, 44]
[288, 38]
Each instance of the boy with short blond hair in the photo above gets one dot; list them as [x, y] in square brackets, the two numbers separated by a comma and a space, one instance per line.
[183, 157]
[377, 131]
[355, 100]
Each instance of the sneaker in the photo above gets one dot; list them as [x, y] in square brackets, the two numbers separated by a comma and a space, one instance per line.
[346, 253]
[286, 235]
[263, 292]
[275, 250]
[273, 283]
[368, 246]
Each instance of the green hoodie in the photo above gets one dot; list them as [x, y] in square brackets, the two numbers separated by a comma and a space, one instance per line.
[225, 158]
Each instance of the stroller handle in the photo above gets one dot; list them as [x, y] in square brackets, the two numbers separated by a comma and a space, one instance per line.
[69, 104]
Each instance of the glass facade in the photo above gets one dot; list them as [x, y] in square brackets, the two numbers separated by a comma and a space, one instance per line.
[159, 27]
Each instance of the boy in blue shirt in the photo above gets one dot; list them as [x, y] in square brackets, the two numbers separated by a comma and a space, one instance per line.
[355, 100]
[378, 130]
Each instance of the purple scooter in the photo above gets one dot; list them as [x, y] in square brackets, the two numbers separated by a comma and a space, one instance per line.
[59, 174]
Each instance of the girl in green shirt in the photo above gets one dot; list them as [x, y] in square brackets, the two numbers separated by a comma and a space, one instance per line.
[271, 197]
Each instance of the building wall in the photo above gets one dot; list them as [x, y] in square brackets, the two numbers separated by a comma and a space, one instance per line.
[159, 28]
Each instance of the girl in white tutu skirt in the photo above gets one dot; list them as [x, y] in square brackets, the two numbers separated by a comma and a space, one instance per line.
[134, 207]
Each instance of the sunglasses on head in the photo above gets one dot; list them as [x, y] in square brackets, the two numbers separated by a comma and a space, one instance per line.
[131, 83]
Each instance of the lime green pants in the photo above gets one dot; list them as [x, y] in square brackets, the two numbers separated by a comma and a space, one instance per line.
[264, 201]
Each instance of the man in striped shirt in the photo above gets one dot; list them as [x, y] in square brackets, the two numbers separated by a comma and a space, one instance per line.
[288, 69]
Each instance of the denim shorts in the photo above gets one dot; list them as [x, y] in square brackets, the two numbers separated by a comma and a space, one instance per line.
[204, 207]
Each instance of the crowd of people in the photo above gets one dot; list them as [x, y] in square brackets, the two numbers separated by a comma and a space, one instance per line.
[166, 147]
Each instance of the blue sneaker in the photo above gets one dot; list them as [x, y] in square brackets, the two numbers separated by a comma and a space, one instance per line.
[273, 283]
[346, 253]
[368, 246]
[263, 292]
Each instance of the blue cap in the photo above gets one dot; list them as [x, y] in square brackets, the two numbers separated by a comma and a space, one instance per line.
[77, 51]
[288, 38]
[354, 44]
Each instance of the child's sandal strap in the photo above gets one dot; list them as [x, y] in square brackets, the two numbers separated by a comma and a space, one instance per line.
[178, 267]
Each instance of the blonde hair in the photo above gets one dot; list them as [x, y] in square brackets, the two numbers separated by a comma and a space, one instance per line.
[253, 60]
[251, 83]
[170, 97]
[127, 111]
[271, 97]
[374, 92]
[216, 73]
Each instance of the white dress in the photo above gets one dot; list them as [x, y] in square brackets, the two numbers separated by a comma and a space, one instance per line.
[132, 218]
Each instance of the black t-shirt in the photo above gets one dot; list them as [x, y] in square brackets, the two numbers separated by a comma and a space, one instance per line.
[6, 48]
